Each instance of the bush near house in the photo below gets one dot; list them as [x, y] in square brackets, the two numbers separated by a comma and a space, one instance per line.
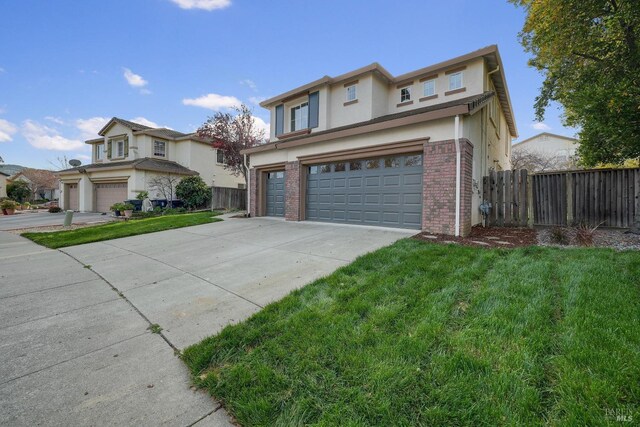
[441, 335]
[193, 191]
[18, 191]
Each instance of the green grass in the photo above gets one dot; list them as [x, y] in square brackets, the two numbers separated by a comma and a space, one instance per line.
[424, 334]
[115, 230]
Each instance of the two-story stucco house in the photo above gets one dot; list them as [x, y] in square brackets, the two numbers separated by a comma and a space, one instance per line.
[128, 155]
[367, 147]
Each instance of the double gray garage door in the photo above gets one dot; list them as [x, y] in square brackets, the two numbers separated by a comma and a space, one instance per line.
[380, 191]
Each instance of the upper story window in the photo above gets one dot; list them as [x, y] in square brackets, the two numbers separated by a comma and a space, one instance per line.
[351, 94]
[99, 152]
[160, 148]
[300, 117]
[220, 156]
[117, 149]
[455, 80]
[405, 94]
[429, 88]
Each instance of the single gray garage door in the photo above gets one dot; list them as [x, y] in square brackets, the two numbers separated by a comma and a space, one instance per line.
[381, 191]
[275, 193]
[108, 194]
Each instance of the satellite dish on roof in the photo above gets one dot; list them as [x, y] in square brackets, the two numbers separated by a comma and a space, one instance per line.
[75, 162]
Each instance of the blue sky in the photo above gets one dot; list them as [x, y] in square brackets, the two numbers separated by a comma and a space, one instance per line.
[66, 66]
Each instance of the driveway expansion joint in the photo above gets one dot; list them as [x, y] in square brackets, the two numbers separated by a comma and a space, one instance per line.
[175, 349]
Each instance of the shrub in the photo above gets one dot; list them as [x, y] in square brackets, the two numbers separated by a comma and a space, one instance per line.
[559, 236]
[117, 207]
[19, 191]
[193, 191]
[128, 207]
[8, 204]
[142, 195]
[585, 232]
[55, 209]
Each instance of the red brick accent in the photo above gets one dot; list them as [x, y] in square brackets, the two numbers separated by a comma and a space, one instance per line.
[292, 191]
[439, 187]
[253, 188]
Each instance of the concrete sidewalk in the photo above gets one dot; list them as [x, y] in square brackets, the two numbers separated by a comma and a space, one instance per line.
[73, 352]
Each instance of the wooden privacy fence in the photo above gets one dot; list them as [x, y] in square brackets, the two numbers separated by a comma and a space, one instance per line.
[609, 197]
[228, 198]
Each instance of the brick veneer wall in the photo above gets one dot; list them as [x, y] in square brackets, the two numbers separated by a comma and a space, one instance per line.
[439, 187]
[253, 196]
[292, 191]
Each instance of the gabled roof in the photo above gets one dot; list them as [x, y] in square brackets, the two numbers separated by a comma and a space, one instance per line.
[42, 177]
[126, 123]
[555, 135]
[146, 163]
[489, 53]
[467, 105]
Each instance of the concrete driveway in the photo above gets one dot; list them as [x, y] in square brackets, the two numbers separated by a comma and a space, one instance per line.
[74, 344]
[43, 218]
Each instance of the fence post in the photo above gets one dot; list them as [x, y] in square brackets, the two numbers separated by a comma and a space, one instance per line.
[523, 198]
[569, 186]
[530, 200]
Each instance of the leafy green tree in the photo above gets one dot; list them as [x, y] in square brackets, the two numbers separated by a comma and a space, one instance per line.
[18, 190]
[589, 54]
[193, 191]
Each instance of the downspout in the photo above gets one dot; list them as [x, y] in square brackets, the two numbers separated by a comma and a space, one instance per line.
[456, 135]
[248, 185]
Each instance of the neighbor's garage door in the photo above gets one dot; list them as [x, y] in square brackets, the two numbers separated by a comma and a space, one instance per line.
[381, 191]
[275, 193]
[109, 193]
[73, 197]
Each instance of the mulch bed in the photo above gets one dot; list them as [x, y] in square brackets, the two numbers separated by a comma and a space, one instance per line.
[487, 237]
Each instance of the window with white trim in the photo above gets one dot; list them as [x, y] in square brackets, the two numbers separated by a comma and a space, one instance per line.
[117, 149]
[159, 148]
[455, 80]
[300, 117]
[99, 152]
[429, 88]
[351, 93]
[220, 156]
[405, 94]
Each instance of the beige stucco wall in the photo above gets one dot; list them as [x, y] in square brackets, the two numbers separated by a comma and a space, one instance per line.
[550, 145]
[3, 186]
[340, 114]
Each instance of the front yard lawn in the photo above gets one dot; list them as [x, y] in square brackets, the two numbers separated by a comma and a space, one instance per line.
[115, 230]
[425, 334]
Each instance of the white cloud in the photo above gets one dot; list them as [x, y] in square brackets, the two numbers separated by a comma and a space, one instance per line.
[213, 102]
[250, 83]
[145, 121]
[47, 138]
[134, 79]
[91, 126]
[202, 4]
[261, 124]
[541, 126]
[82, 157]
[256, 99]
[6, 130]
[56, 120]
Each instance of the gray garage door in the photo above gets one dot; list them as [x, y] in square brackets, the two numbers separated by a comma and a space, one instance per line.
[275, 193]
[382, 191]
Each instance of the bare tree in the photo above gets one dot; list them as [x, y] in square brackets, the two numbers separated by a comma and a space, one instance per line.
[164, 185]
[232, 134]
[60, 163]
[535, 161]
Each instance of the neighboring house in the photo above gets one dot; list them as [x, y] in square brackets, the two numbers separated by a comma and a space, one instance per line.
[547, 151]
[370, 148]
[3, 184]
[128, 155]
[44, 184]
